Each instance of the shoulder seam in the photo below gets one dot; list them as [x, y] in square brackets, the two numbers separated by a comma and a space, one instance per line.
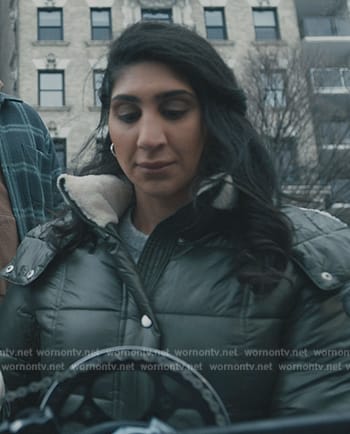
[6, 97]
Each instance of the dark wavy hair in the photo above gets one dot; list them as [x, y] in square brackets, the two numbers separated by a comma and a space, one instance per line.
[232, 146]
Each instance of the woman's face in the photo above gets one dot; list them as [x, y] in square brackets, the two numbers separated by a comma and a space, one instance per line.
[155, 125]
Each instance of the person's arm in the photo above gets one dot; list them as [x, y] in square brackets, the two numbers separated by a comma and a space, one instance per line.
[18, 344]
[54, 171]
[315, 376]
[50, 166]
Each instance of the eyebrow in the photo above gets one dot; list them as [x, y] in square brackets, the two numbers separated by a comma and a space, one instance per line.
[160, 96]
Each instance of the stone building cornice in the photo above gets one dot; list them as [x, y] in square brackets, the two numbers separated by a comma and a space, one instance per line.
[157, 3]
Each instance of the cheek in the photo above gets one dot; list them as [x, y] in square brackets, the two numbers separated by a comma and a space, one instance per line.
[199, 134]
[192, 155]
[114, 128]
[192, 133]
[111, 129]
[198, 143]
[121, 135]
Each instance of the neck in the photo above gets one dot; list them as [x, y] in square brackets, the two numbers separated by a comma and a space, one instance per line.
[149, 213]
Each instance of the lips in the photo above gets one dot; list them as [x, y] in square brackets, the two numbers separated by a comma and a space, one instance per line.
[154, 165]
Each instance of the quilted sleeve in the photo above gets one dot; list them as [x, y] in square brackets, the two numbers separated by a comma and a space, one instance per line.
[17, 339]
[315, 374]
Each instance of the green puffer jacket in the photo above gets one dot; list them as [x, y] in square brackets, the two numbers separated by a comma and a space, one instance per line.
[282, 352]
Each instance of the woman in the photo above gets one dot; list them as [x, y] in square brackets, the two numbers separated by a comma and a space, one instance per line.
[174, 240]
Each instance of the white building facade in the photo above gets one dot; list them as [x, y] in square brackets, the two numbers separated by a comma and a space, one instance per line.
[58, 51]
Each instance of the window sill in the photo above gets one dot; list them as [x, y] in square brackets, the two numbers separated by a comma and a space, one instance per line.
[97, 43]
[222, 42]
[65, 108]
[50, 43]
[276, 42]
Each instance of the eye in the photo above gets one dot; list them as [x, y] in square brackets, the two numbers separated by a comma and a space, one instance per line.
[127, 113]
[173, 114]
[129, 117]
[174, 109]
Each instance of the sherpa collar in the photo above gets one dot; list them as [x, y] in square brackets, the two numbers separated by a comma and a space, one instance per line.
[103, 199]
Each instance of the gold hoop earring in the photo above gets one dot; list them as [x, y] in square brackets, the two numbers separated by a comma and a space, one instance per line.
[112, 149]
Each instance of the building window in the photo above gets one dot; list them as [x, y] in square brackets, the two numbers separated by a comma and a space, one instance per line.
[335, 134]
[61, 151]
[265, 24]
[97, 77]
[50, 24]
[331, 80]
[101, 24]
[215, 23]
[346, 78]
[164, 15]
[340, 190]
[274, 89]
[51, 89]
[326, 26]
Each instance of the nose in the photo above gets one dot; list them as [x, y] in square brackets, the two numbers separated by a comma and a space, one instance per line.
[151, 133]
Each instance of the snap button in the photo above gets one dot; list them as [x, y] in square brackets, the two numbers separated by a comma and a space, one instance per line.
[146, 321]
[30, 274]
[9, 268]
[326, 276]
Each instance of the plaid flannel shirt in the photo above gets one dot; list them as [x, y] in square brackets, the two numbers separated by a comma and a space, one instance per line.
[29, 164]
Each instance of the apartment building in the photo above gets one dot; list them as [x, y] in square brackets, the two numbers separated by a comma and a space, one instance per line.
[59, 53]
[8, 44]
[325, 35]
[61, 48]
